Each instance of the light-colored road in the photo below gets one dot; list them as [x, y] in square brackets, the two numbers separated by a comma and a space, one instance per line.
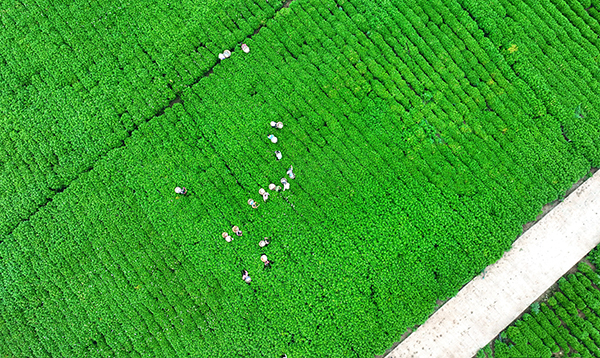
[485, 306]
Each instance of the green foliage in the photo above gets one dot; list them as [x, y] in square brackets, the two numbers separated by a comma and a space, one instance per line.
[481, 354]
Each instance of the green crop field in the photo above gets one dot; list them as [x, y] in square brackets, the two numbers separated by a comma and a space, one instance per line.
[423, 134]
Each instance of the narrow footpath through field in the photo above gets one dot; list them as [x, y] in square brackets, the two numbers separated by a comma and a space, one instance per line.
[491, 301]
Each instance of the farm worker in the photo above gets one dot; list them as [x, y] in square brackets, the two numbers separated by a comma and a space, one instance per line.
[272, 138]
[290, 173]
[264, 194]
[263, 243]
[271, 186]
[181, 190]
[286, 185]
[237, 230]
[264, 259]
[222, 57]
[252, 203]
[227, 53]
[245, 48]
[277, 125]
[278, 155]
[246, 276]
[227, 237]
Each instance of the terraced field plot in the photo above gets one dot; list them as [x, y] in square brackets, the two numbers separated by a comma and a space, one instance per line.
[423, 136]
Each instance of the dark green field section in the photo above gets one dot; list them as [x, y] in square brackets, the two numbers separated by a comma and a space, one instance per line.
[423, 135]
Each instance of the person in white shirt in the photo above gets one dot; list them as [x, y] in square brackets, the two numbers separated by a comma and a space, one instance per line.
[265, 261]
[264, 194]
[246, 277]
[227, 237]
[237, 230]
[252, 203]
[286, 185]
[263, 243]
[277, 125]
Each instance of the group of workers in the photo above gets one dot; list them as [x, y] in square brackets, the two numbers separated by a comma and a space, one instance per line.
[246, 276]
[279, 156]
[265, 194]
[278, 125]
[236, 230]
[226, 54]
[286, 186]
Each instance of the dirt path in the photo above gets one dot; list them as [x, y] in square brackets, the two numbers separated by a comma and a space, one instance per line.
[487, 304]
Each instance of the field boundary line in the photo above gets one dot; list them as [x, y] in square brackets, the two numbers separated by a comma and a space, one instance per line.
[490, 302]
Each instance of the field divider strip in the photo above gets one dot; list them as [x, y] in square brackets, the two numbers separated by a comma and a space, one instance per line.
[494, 299]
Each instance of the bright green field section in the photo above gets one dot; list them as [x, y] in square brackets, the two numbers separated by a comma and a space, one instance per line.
[423, 135]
